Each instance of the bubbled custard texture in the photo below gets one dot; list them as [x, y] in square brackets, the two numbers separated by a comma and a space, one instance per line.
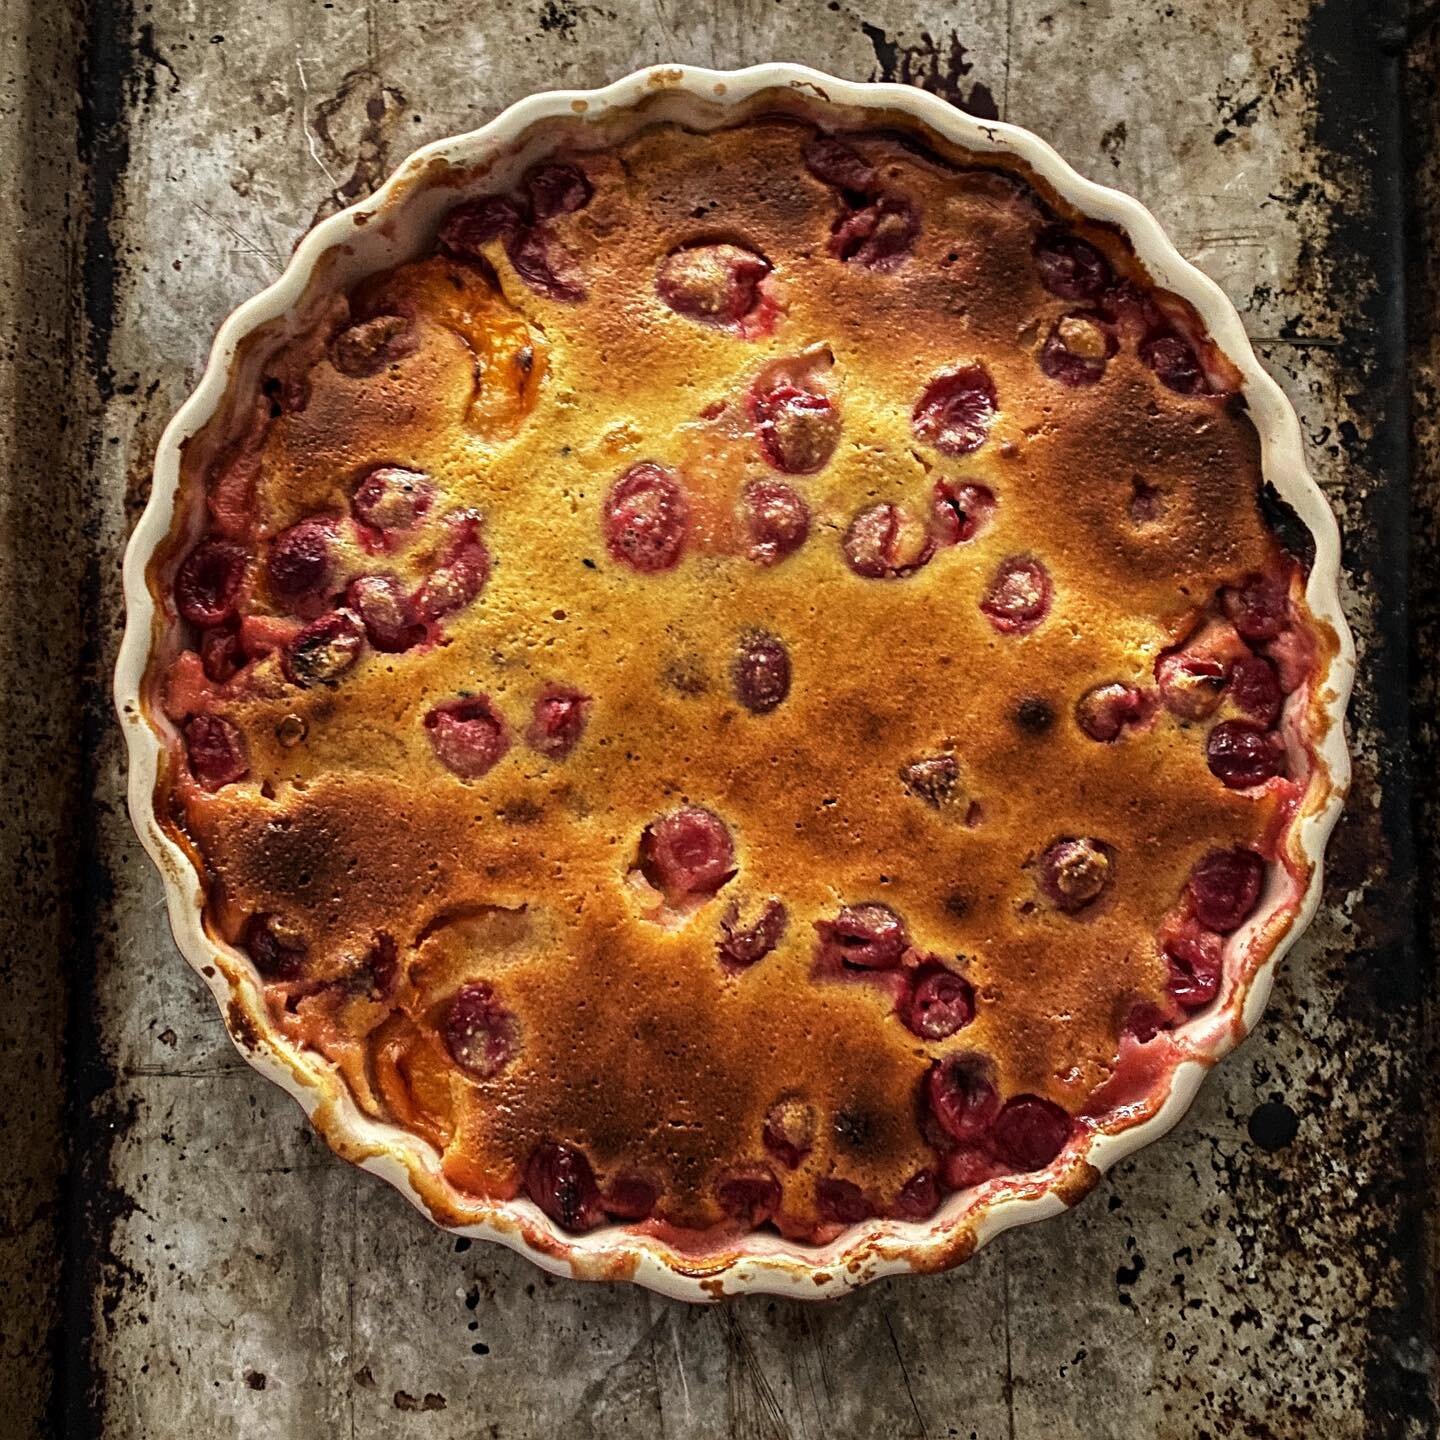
[492, 957]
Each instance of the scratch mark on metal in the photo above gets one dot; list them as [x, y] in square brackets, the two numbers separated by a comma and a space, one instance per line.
[743, 1351]
[680, 1366]
[304, 107]
[249, 246]
[353, 1228]
[1009, 44]
[372, 34]
[1009, 1362]
[819, 1350]
[187, 1072]
[812, 1356]
[905, 1372]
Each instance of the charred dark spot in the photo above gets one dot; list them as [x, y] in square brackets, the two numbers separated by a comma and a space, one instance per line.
[523, 811]
[853, 1129]
[957, 903]
[1034, 715]
[241, 1027]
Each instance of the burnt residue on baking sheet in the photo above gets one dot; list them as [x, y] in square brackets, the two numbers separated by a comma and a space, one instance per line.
[940, 66]
[42, 537]
[1361, 148]
[103, 139]
[95, 1276]
[356, 126]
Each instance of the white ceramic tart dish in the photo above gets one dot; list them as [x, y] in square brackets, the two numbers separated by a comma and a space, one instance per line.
[914, 1016]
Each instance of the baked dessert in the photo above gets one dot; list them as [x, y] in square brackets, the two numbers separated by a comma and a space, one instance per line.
[753, 686]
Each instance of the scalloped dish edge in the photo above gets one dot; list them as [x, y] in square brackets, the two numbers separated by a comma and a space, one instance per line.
[761, 1262]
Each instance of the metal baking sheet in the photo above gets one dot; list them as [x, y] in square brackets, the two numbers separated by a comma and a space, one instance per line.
[182, 1256]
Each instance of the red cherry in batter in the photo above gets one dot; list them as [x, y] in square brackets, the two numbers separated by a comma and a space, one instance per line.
[468, 735]
[687, 852]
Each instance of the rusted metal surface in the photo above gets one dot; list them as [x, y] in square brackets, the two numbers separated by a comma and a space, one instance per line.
[1264, 1272]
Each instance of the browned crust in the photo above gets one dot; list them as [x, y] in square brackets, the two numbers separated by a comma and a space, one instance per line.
[637, 1046]
[1077, 1183]
[241, 1027]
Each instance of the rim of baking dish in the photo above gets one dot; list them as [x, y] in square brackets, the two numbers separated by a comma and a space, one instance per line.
[758, 1262]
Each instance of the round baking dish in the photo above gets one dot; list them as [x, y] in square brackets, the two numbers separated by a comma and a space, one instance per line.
[394, 225]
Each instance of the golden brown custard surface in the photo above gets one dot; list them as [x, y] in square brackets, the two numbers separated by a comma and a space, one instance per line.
[731, 689]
